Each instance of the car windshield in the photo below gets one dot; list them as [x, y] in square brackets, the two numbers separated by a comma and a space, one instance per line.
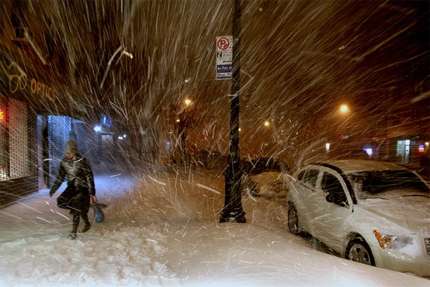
[379, 183]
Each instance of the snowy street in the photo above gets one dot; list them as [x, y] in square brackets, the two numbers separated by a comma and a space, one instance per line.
[215, 143]
[163, 230]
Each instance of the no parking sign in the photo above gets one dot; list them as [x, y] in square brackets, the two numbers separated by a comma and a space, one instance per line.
[224, 57]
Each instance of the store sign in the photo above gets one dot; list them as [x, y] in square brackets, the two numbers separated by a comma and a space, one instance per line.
[19, 82]
[40, 89]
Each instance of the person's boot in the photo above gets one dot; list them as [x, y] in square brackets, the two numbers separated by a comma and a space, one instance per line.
[72, 234]
[87, 225]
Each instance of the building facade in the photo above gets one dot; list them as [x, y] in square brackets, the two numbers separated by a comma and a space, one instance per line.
[18, 160]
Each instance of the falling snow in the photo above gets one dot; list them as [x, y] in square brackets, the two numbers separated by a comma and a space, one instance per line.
[318, 79]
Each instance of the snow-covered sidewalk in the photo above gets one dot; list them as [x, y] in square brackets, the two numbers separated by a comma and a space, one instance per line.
[164, 231]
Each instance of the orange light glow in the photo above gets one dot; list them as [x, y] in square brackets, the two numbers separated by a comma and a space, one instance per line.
[2, 116]
[383, 240]
[344, 109]
[188, 102]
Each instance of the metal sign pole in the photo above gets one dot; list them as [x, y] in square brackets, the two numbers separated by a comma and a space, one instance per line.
[233, 211]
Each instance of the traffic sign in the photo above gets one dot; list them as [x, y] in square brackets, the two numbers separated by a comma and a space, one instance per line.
[224, 57]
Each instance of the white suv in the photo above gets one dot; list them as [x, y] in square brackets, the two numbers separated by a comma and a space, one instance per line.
[372, 212]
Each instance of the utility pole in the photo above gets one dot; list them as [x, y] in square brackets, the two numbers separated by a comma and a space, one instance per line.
[233, 211]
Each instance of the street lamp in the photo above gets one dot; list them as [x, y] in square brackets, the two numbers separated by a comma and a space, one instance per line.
[128, 54]
[327, 147]
[121, 50]
[344, 109]
[98, 128]
[188, 102]
[266, 124]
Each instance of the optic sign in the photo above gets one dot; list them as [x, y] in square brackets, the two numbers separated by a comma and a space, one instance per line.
[18, 81]
[224, 57]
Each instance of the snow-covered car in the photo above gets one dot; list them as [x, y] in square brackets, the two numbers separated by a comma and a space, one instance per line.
[269, 184]
[376, 213]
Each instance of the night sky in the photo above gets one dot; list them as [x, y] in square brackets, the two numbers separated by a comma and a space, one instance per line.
[300, 60]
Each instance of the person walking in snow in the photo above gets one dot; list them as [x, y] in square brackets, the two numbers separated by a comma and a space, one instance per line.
[80, 191]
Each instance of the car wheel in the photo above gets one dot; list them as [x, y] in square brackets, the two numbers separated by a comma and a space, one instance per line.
[293, 219]
[359, 251]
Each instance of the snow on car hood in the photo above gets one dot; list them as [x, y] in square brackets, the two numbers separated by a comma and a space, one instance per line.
[410, 212]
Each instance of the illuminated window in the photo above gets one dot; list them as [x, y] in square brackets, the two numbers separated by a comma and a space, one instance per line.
[403, 150]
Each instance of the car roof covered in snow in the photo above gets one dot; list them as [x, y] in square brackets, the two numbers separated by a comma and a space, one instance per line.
[356, 165]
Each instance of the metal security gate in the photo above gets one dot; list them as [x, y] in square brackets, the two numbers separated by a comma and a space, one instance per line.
[4, 146]
[19, 165]
[16, 140]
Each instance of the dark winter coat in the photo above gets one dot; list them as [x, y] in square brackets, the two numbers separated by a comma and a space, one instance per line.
[80, 184]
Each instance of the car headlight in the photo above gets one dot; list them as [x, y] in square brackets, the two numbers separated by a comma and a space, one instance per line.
[390, 241]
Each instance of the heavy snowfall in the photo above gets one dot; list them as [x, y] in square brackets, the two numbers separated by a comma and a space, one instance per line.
[214, 130]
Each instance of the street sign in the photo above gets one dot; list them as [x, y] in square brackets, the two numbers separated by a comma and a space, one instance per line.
[224, 57]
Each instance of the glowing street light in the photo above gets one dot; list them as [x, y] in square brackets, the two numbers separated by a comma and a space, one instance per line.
[266, 124]
[187, 102]
[120, 50]
[128, 54]
[178, 120]
[98, 128]
[327, 147]
[368, 151]
[344, 109]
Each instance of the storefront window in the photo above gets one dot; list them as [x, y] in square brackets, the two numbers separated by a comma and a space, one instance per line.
[403, 150]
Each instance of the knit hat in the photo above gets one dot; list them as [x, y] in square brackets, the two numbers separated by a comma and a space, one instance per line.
[71, 148]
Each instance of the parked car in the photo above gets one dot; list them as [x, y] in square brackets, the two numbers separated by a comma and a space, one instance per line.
[376, 213]
[262, 164]
[268, 184]
[262, 176]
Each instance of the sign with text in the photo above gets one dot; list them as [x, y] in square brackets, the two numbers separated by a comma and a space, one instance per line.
[224, 57]
[19, 82]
